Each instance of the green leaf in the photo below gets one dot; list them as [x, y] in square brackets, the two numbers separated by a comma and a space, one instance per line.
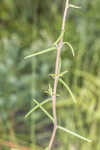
[75, 134]
[60, 127]
[49, 91]
[59, 75]
[74, 6]
[59, 38]
[69, 90]
[63, 73]
[71, 48]
[41, 52]
[37, 106]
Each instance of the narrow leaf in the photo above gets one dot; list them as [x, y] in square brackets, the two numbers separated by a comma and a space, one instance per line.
[49, 116]
[41, 52]
[74, 6]
[70, 46]
[63, 73]
[73, 133]
[59, 38]
[60, 127]
[69, 90]
[59, 75]
[36, 107]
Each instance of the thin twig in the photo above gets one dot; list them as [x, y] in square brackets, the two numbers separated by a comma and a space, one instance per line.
[60, 44]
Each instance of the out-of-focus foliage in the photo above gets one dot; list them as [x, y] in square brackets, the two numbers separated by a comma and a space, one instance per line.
[30, 25]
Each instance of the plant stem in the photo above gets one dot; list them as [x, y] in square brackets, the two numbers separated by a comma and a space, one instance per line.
[59, 46]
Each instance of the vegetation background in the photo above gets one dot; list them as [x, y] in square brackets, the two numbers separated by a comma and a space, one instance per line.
[27, 26]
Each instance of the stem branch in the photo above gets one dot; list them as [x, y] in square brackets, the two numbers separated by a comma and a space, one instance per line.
[59, 46]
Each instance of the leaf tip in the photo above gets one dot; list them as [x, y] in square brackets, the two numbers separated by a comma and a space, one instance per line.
[25, 57]
[74, 6]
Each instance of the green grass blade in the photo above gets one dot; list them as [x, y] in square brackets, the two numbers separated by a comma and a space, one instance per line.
[69, 90]
[70, 46]
[36, 107]
[41, 52]
[73, 133]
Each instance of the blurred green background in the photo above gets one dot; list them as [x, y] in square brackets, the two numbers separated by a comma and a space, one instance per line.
[27, 26]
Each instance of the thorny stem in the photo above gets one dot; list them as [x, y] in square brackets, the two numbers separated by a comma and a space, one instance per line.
[59, 46]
